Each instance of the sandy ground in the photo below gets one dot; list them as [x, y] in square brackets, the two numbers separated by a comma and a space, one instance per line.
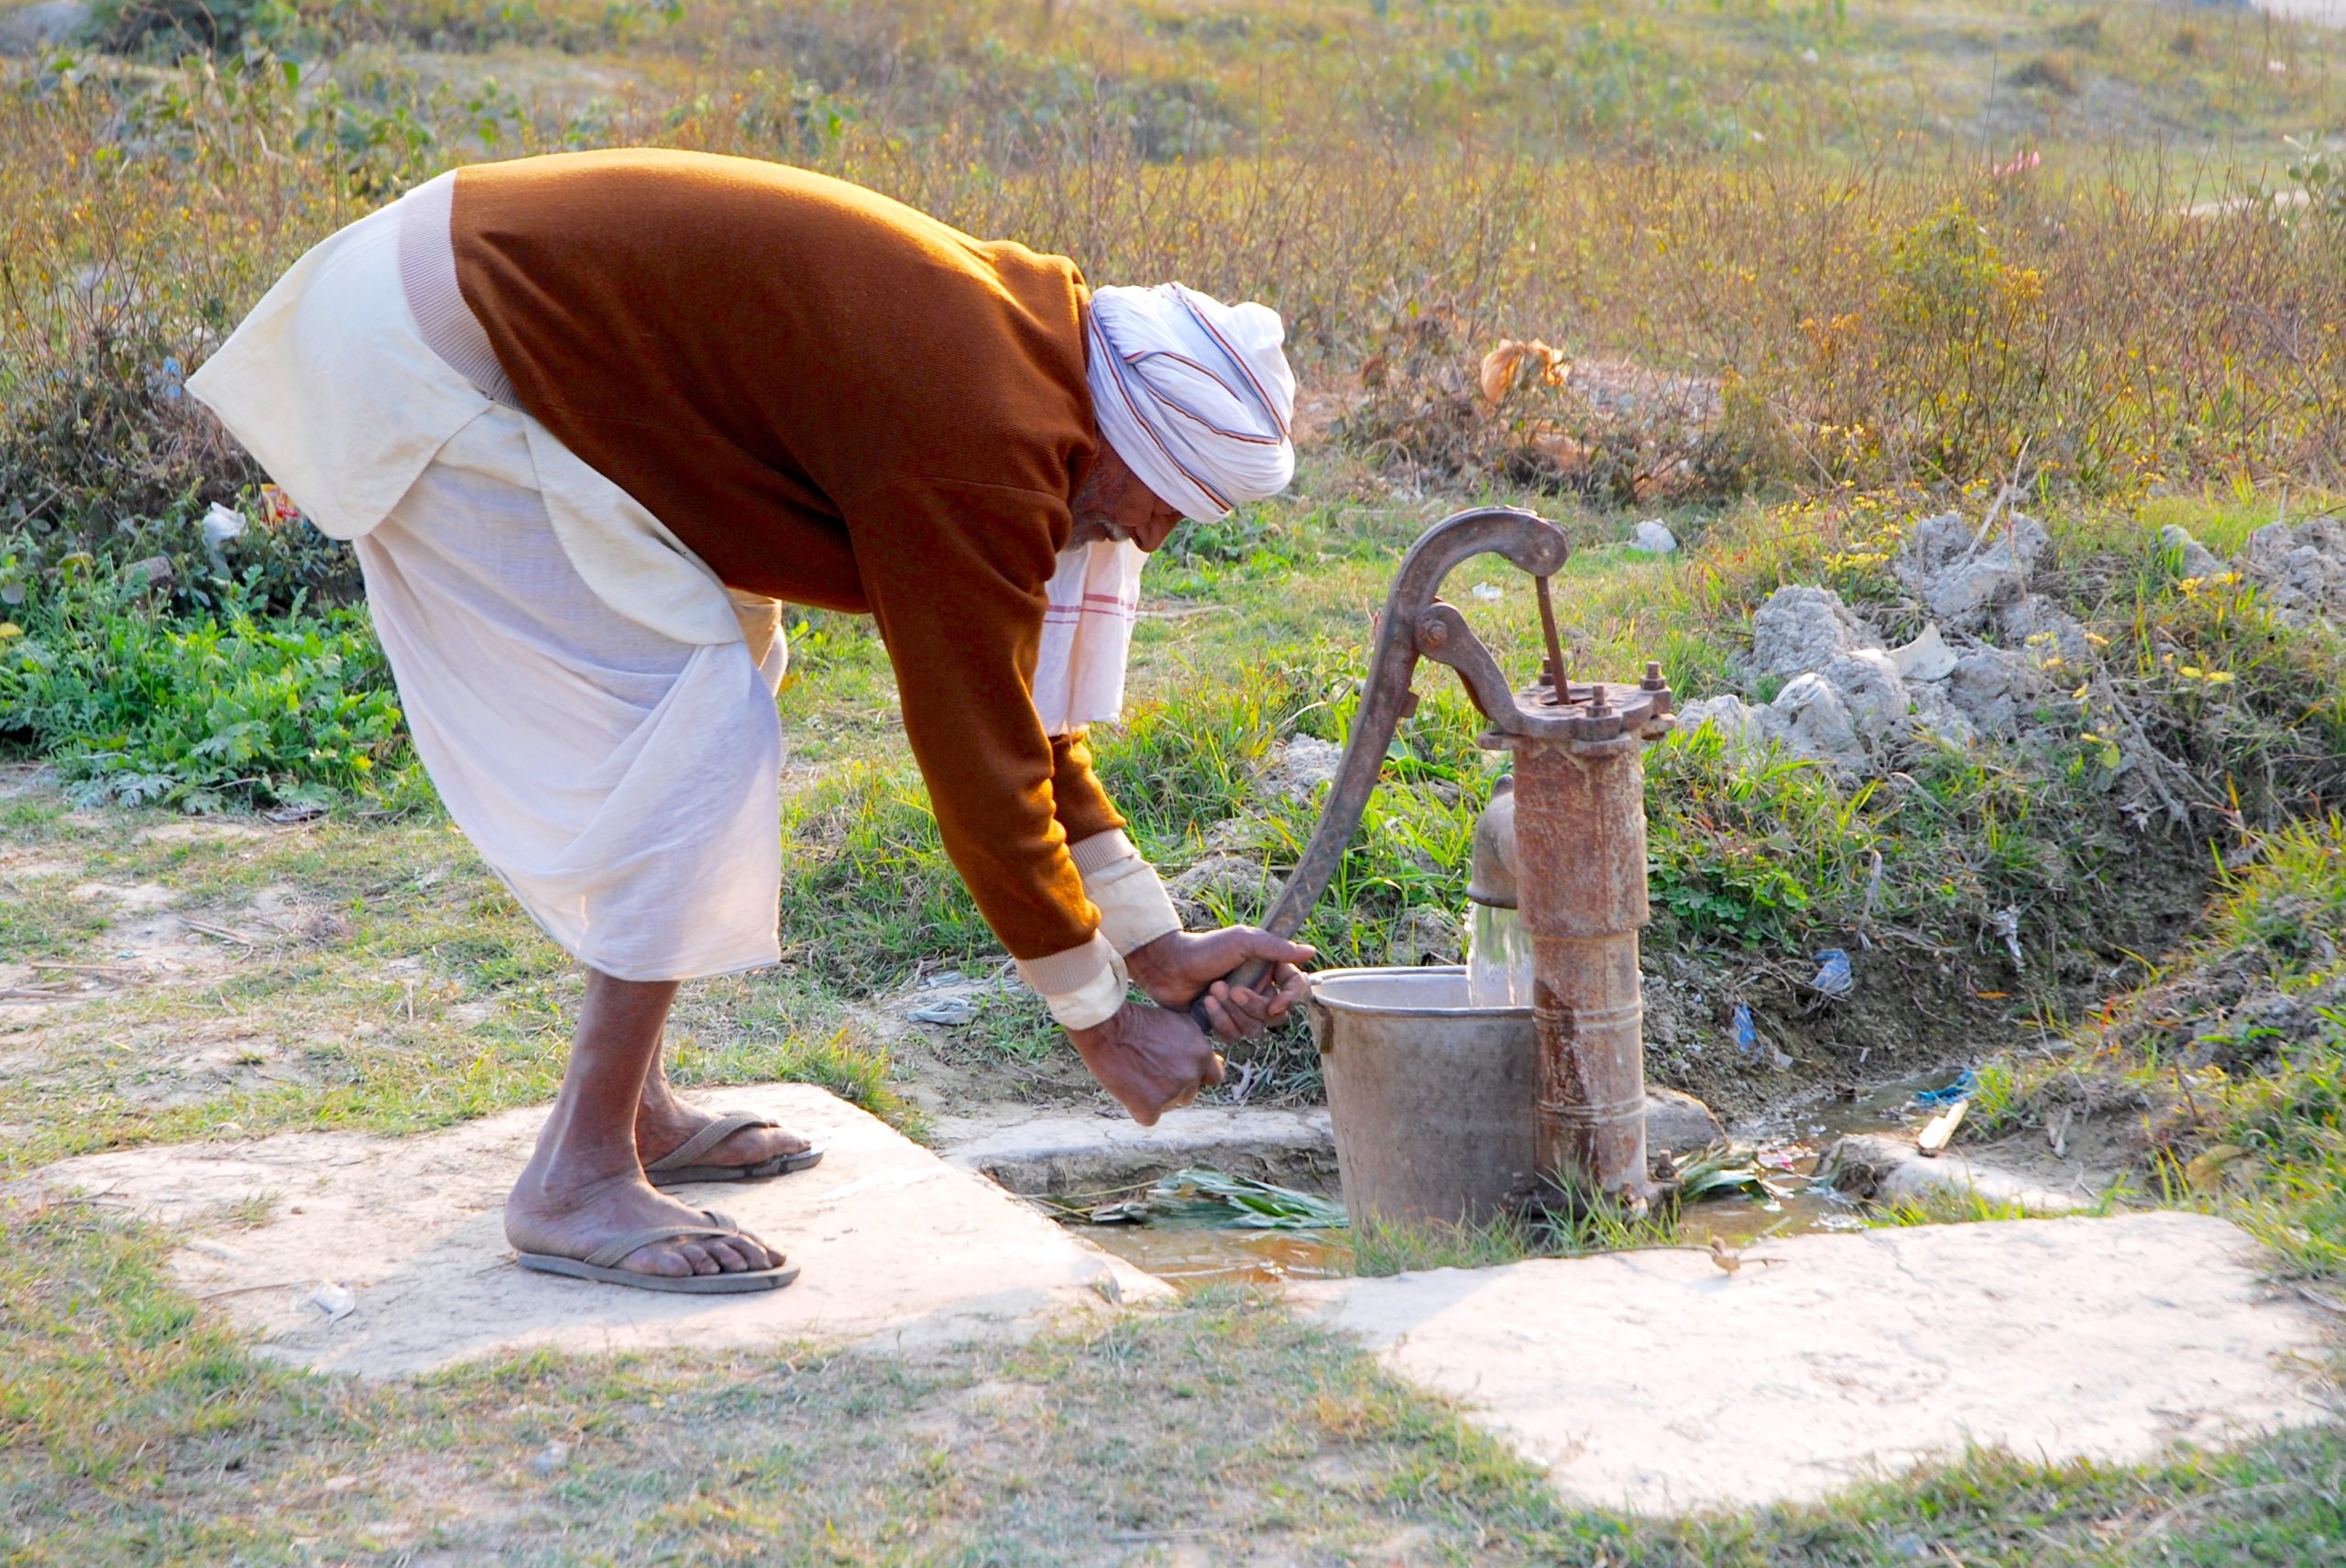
[1659, 1381]
[405, 1234]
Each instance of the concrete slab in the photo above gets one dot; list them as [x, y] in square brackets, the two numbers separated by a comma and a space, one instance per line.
[1066, 1155]
[1070, 1155]
[895, 1244]
[1656, 1381]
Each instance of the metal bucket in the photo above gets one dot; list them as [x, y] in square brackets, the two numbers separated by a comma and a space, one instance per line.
[1433, 1100]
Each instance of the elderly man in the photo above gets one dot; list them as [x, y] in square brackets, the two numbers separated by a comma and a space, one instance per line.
[589, 421]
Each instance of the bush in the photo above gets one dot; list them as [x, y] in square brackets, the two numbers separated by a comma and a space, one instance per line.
[175, 28]
[205, 713]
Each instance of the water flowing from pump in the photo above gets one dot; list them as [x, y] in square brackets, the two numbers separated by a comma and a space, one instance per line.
[1498, 958]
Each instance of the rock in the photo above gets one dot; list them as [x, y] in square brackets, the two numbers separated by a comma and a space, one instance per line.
[2053, 638]
[149, 573]
[1680, 1122]
[2191, 557]
[1748, 730]
[1803, 629]
[1997, 690]
[1302, 766]
[1653, 537]
[1216, 882]
[1871, 692]
[1425, 937]
[1817, 723]
[2301, 571]
[1927, 658]
[1887, 1169]
[1960, 584]
[1935, 717]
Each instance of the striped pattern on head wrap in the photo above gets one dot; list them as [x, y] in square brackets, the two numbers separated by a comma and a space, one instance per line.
[1194, 395]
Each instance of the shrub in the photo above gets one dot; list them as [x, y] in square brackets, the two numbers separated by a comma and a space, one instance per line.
[173, 27]
[202, 714]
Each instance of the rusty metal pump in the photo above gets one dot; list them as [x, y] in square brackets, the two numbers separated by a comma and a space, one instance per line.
[1565, 843]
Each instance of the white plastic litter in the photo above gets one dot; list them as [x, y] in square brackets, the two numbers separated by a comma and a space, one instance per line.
[220, 525]
[1653, 537]
[336, 1302]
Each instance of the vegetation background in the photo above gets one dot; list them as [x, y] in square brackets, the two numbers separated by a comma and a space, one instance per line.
[1809, 271]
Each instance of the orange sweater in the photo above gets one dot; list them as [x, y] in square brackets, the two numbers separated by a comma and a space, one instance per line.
[835, 401]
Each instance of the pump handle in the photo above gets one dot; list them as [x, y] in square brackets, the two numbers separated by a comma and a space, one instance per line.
[1525, 538]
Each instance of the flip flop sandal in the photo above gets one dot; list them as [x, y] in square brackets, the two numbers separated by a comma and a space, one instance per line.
[676, 1167]
[599, 1264]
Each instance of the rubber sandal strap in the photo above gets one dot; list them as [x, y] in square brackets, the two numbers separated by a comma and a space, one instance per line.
[708, 1138]
[608, 1255]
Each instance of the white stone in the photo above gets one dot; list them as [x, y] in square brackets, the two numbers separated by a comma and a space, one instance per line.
[1996, 689]
[1875, 698]
[894, 1243]
[1802, 629]
[1302, 766]
[1746, 729]
[1960, 576]
[2195, 558]
[2301, 570]
[1653, 537]
[1889, 1169]
[1817, 722]
[1653, 1380]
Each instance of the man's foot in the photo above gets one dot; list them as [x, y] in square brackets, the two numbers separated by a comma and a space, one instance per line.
[662, 1127]
[575, 1224]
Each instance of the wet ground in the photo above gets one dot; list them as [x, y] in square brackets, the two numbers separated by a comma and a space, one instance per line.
[1785, 1145]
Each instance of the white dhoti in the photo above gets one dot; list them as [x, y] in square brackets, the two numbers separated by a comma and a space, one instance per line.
[610, 748]
[622, 784]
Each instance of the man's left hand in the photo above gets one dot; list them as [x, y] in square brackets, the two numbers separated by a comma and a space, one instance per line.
[1179, 967]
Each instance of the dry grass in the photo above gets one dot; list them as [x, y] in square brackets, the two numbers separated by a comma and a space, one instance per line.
[1892, 311]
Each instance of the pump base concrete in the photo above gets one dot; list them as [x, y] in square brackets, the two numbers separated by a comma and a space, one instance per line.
[1657, 1381]
[407, 1233]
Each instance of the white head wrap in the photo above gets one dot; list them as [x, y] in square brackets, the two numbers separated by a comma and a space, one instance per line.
[1194, 395]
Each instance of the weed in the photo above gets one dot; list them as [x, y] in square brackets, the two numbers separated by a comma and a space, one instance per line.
[200, 715]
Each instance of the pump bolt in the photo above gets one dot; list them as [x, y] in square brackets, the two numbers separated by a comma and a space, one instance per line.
[1654, 681]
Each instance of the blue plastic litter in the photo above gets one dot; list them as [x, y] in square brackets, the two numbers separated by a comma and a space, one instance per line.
[1833, 974]
[1747, 1035]
[1963, 1088]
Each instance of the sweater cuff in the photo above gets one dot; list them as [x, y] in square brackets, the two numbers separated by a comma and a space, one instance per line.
[1083, 986]
[1093, 1004]
[1133, 907]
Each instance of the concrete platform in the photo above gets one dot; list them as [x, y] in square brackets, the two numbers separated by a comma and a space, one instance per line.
[1656, 1381]
[1072, 1153]
[894, 1244]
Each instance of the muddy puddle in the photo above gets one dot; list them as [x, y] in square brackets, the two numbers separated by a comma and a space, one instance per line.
[1784, 1149]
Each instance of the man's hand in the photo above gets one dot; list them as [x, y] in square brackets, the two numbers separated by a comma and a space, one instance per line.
[1151, 1060]
[1177, 967]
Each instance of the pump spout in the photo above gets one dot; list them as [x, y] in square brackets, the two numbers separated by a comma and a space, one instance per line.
[1491, 881]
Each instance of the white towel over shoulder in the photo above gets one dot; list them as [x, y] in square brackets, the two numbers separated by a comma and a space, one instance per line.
[1088, 635]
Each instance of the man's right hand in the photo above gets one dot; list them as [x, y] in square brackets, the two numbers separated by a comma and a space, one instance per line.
[1151, 1060]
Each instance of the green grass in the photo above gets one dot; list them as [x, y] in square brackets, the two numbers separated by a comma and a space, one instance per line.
[2222, 1075]
[138, 1431]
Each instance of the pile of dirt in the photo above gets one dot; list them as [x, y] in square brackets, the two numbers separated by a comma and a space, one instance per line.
[1994, 660]
[1524, 413]
[2300, 569]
